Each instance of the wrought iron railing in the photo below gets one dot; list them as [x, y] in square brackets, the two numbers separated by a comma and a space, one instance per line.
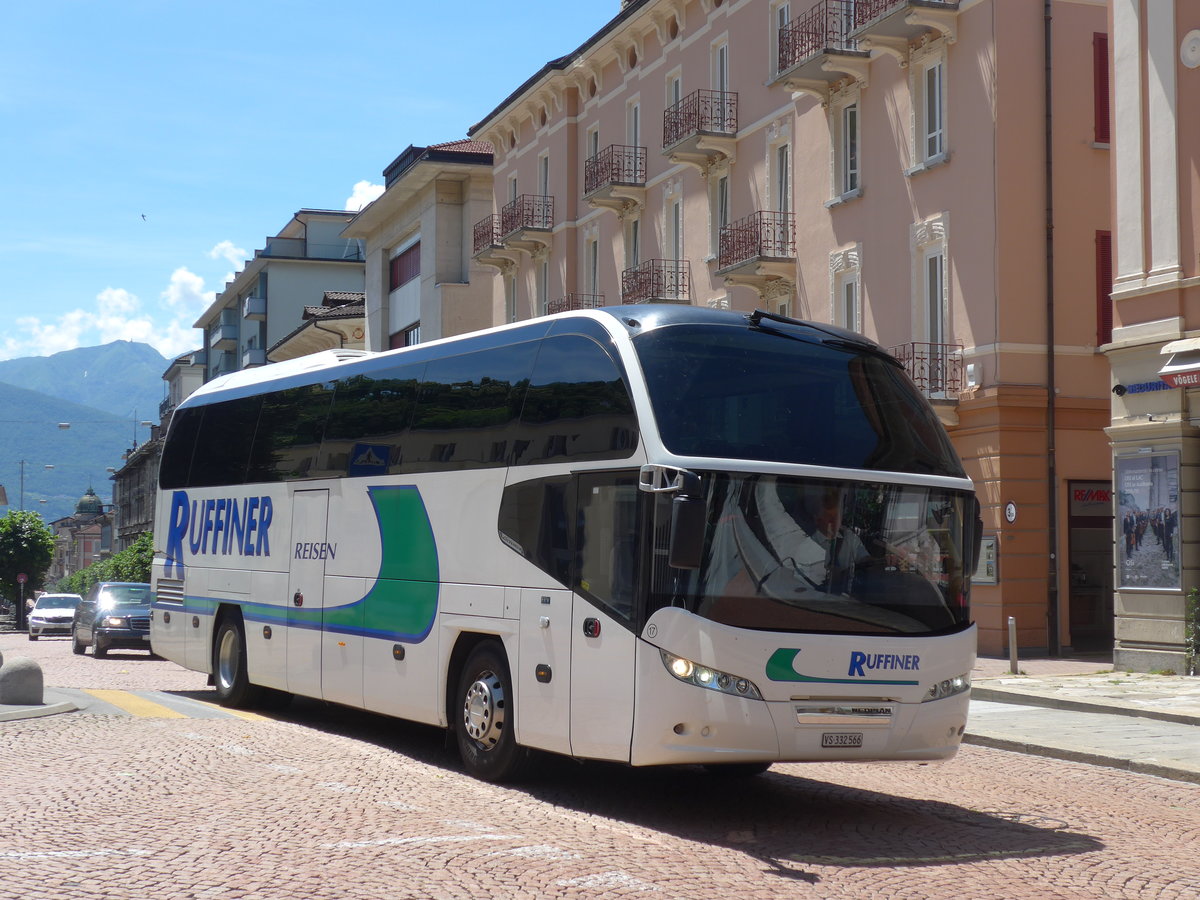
[527, 211]
[868, 10]
[937, 369]
[575, 300]
[823, 27]
[770, 235]
[486, 233]
[657, 280]
[616, 164]
[700, 112]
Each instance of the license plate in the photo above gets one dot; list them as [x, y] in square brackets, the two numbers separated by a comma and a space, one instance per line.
[842, 739]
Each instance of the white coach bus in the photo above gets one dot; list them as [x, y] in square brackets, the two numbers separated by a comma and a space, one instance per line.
[649, 534]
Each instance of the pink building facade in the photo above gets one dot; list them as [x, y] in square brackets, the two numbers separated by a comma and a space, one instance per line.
[899, 168]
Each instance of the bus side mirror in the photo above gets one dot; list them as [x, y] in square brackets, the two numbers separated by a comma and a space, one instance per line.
[689, 512]
[977, 538]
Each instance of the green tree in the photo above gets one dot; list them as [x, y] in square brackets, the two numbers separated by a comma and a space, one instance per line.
[131, 564]
[26, 545]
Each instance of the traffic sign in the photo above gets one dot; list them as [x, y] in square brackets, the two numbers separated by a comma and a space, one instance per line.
[21, 578]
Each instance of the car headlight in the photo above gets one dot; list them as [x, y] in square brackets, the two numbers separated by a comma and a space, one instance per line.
[115, 622]
[712, 679]
[948, 688]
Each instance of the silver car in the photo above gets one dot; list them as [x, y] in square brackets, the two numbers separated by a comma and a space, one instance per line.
[52, 614]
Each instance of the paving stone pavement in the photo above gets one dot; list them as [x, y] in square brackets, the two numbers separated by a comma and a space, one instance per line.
[326, 803]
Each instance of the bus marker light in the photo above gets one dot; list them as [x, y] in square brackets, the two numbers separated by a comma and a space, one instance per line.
[543, 673]
[397, 651]
[267, 632]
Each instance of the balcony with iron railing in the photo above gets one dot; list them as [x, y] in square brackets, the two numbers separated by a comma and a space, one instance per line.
[759, 252]
[575, 300]
[527, 221]
[936, 369]
[890, 25]
[701, 128]
[488, 244]
[615, 178]
[815, 49]
[657, 281]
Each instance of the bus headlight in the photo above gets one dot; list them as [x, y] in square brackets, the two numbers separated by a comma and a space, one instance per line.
[712, 679]
[948, 688]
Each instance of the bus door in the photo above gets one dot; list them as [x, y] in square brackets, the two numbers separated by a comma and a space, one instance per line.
[604, 609]
[306, 592]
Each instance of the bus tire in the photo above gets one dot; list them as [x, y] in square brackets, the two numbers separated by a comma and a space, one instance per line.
[483, 717]
[230, 675]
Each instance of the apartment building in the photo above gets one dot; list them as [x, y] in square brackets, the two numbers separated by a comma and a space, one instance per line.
[421, 280]
[1155, 345]
[904, 168]
[266, 299]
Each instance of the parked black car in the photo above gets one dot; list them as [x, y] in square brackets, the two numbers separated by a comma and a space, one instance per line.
[112, 614]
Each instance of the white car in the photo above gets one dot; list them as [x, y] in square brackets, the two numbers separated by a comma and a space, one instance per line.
[52, 614]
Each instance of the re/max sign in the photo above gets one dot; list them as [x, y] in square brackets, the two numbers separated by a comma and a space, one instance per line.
[224, 526]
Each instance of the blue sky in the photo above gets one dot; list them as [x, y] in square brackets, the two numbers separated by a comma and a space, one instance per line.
[216, 121]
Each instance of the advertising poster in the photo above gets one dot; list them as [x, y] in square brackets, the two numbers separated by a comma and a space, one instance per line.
[1147, 521]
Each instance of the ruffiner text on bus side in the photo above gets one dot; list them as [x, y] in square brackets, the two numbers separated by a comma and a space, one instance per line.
[222, 526]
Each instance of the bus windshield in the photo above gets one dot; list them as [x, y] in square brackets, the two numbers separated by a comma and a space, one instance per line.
[791, 554]
[743, 393]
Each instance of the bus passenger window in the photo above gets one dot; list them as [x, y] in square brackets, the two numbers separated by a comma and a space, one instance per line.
[576, 406]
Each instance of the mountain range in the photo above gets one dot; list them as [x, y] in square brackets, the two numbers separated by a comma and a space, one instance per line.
[102, 392]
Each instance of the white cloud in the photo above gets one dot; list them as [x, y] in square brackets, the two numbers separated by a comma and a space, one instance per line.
[116, 301]
[186, 293]
[236, 256]
[364, 193]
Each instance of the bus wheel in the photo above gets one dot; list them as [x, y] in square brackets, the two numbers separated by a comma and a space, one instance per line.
[229, 666]
[484, 719]
[737, 770]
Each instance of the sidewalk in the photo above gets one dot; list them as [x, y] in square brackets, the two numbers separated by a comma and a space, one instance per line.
[1080, 709]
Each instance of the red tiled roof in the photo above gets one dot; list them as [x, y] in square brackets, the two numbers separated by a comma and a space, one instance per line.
[466, 145]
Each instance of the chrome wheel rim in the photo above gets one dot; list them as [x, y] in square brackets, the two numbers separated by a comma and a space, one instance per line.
[227, 659]
[483, 710]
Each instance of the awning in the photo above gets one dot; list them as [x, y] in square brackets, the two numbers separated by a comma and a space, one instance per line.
[1183, 364]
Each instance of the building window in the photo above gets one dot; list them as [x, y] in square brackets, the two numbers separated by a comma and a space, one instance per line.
[593, 141]
[633, 129]
[633, 248]
[408, 337]
[930, 105]
[783, 15]
[543, 288]
[512, 188]
[592, 261]
[543, 175]
[783, 178]
[675, 229]
[934, 264]
[510, 298]
[1104, 284]
[720, 210]
[404, 266]
[674, 89]
[720, 67]
[846, 158]
[845, 287]
[1101, 87]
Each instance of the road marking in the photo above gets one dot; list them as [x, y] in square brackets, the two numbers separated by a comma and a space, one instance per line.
[135, 705]
[433, 839]
[610, 880]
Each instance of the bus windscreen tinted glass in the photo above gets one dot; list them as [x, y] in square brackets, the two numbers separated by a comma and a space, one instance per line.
[741, 393]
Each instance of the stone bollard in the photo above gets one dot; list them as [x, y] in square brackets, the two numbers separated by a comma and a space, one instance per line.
[21, 682]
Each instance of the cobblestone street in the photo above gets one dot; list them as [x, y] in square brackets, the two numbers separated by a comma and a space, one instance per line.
[323, 802]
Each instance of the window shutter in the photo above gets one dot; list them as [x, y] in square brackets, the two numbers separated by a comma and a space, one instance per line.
[1100, 81]
[1104, 283]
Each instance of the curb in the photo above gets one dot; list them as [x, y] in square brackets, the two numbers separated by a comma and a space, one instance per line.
[1092, 759]
[1003, 696]
[37, 712]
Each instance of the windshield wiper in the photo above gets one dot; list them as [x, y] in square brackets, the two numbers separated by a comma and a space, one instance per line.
[837, 337]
